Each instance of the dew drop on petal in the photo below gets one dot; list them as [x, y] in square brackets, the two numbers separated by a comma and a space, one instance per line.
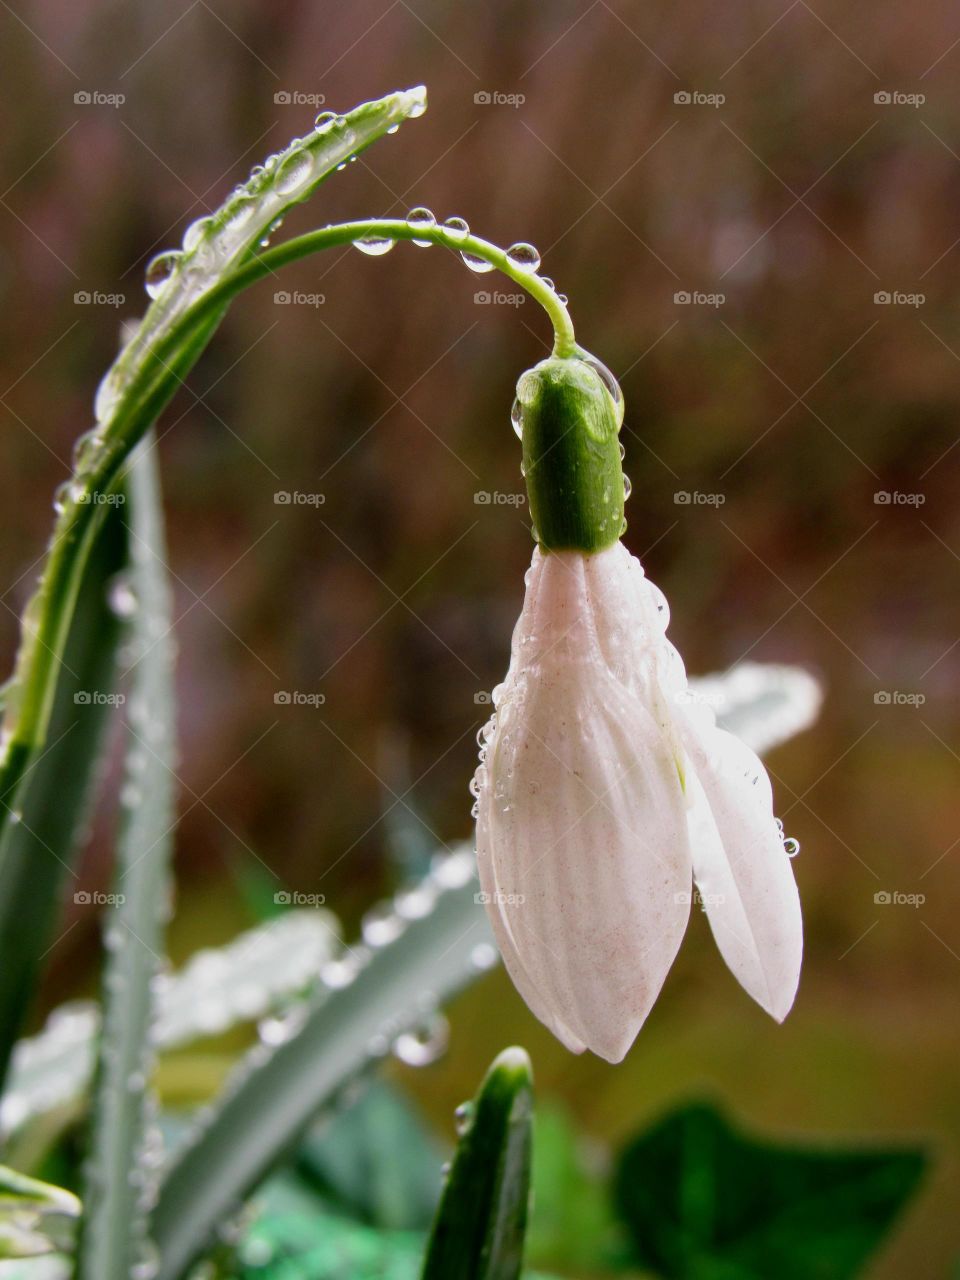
[791, 847]
[463, 1118]
[610, 382]
[421, 218]
[160, 269]
[324, 119]
[121, 597]
[418, 102]
[524, 256]
[627, 487]
[374, 246]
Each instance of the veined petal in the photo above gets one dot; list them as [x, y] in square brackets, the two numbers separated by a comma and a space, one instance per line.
[741, 868]
[581, 832]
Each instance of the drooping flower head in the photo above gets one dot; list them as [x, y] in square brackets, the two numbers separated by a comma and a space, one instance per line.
[605, 792]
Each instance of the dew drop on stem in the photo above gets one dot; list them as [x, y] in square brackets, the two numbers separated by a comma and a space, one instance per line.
[458, 229]
[374, 246]
[524, 256]
[424, 1044]
[421, 218]
[324, 120]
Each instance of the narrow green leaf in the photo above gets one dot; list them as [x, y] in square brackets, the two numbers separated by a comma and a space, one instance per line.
[445, 941]
[479, 1229]
[41, 828]
[113, 1232]
[156, 359]
[705, 1202]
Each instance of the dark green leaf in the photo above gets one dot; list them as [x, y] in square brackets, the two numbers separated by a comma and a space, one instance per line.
[704, 1202]
[479, 1229]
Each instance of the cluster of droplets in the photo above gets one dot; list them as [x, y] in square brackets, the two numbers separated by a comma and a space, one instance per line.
[485, 736]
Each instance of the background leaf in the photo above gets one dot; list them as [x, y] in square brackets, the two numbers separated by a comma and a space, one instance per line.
[705, 1202]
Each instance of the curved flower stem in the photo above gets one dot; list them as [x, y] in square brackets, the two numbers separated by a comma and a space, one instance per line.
[397, 229]
[162, 368]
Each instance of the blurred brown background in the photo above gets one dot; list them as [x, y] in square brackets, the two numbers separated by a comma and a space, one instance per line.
[799, 197]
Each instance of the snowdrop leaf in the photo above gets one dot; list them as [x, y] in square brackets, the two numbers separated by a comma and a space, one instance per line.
[702, 1199]
[113, 1229]
[478, 1233]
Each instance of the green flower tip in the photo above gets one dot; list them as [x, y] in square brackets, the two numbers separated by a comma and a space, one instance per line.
[568, 413]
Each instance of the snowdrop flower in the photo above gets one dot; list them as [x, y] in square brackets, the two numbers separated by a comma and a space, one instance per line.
[605, 791]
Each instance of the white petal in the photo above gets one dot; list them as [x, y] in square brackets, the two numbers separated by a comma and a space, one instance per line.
[742, 871]
[581, 831]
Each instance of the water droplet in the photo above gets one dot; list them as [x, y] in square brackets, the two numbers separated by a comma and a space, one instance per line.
[463, 1118]
[195, 233]
[324, 119]
[421, 218]
[414, 904]
[627, 487]
[240, 212]
[294, 172]
[458, 228]
[394, 128]
[108, 393]
[424, 1044]
[791, 847]
[160, 270]
[516, 418]
[381, 926]
[418, 101]
[375, 246]
[475, 262]
[341, 166]
[523, 255]
[483, 956]
[610, 382]
[121, 597]
[623, 451]
[549, 283]
[279, 1029]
